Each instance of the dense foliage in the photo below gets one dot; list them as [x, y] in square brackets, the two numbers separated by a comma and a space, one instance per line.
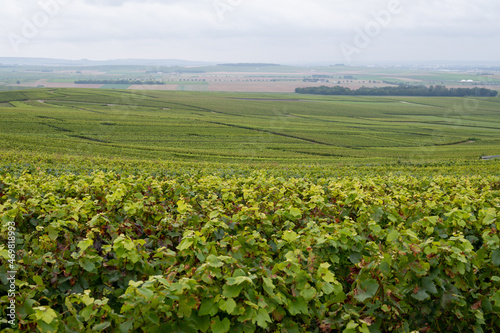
[189, 253]
[142, 211]
[401, 90]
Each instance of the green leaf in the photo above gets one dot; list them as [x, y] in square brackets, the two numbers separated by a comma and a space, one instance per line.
[38, 280]
[126, 326]
[295, 212]
[101, 326]
[291, 327]
[208, 307]
[86, 299]
[152, 317]
[308, 293]
[186, 306]
[48, 315]
[85, 244]
[185, 244]
[367, 289]
[268, 286]
[48, 328]
[329, 277]
[495, 257]
[214, 261]
[147, 293]
[327, 288]
[355, 257]
[238, 280]
[53, 233]
[364, 329]
[87, 312]
[213, 214]
[496, 298]
[420, 295]
[203, 323]
[220, 326]
[298, 306]
[290, 235]
[490, 216]
[392, 218]
[262, 318]
[88, 265]
[429, 285]
[393, 234]
[338, 290]
[385, 266]
[229, 305]
[128, 244]
[182, 206]
[351, 327]
[231, 291]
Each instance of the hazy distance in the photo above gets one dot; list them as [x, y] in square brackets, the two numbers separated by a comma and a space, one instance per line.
[278, 31]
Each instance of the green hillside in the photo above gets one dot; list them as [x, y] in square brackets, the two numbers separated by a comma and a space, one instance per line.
[249, 127]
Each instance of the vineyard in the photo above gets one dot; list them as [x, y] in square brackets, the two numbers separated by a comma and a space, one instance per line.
[128, 212]
[260, 128]
[107, 251]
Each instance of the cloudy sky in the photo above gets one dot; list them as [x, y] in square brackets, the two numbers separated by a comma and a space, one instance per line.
[282, 31]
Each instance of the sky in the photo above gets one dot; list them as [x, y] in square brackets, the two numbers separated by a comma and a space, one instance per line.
[276, 31]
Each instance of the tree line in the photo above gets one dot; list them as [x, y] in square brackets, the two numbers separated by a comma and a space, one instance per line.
[401, 90]
[118, 82]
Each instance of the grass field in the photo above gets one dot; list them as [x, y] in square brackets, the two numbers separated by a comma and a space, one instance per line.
[249, 127]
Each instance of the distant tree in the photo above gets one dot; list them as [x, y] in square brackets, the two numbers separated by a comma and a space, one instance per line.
[401, 90]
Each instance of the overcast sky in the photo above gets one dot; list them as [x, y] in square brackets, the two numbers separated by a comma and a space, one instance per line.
[280, 31]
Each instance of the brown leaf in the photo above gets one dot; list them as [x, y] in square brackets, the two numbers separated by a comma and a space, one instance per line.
[415, 249]
[278, 315]
[425, 329]
[476, 305]
[368, 320]
[325, 327]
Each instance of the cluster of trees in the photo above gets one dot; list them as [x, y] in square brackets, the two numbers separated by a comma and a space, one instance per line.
[401, 90]
[118, 82]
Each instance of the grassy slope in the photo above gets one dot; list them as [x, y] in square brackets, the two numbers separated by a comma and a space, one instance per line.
[249, 127]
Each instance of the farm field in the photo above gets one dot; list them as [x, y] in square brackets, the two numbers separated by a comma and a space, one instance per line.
[171, 211]
[279, 128]
[243, 77]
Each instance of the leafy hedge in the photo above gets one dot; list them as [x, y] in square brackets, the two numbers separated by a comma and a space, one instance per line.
[102, 252]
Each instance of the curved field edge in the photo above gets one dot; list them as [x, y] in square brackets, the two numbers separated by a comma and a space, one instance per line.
[259, 252]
